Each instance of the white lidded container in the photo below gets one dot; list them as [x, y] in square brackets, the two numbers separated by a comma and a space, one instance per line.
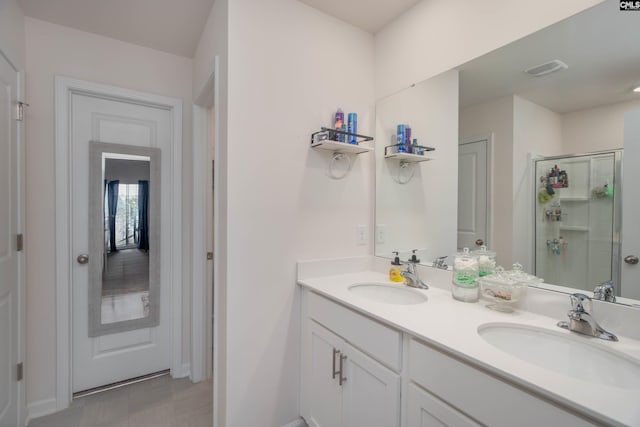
[465, 277]
[506, 288]
[486, 261]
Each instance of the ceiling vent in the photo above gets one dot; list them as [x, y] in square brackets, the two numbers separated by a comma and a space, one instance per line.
[546, 68]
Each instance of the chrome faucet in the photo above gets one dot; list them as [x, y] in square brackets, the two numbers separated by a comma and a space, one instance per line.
[440, 263]
[605, 291]
[411, 277]
[582, 322]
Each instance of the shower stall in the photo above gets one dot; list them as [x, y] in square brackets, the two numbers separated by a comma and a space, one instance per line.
[577, 218]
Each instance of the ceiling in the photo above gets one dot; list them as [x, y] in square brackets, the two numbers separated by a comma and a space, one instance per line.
[167, 25]
[370, 15]
[600, 46]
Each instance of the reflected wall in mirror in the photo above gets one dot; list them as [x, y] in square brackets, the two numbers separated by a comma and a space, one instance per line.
[416, 201]
[124, 225]
[577, 110]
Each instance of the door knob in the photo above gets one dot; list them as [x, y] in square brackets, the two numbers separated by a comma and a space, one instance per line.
[631, 259]
[83, 259]
[479, 242]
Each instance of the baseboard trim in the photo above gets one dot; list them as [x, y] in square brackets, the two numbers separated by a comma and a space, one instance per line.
[41, 408]
[185, 371]
[297, 423]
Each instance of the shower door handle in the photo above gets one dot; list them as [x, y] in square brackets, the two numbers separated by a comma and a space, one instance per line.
[83, 259]
[631, 259]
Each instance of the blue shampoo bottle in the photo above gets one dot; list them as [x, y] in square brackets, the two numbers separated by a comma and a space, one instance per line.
[352, 127]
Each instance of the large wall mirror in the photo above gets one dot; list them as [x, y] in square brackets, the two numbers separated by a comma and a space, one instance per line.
[539, 165]
[124, 224]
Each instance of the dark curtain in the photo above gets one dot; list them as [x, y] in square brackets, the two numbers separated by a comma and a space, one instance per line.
[112, 202]
[143, 215]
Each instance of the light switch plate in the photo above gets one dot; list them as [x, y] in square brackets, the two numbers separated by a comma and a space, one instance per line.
[361, 235]
[381, 233]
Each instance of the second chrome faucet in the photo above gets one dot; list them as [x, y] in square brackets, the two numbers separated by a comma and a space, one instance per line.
[582, 322]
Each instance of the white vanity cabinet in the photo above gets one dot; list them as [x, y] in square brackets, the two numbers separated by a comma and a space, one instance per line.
[426, 410]
[443, 387]
[358, 371]
[342, 382]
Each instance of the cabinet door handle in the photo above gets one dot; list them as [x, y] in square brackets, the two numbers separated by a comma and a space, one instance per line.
[342, 378]
[335, 352]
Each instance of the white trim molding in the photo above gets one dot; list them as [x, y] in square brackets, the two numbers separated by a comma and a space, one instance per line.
[41, 408]
[64, 88]
[204, 130]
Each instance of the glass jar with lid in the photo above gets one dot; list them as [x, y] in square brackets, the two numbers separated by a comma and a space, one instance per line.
[465, 277]
[486, 261]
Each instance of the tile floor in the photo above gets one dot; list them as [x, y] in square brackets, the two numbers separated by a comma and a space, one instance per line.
[159, 402]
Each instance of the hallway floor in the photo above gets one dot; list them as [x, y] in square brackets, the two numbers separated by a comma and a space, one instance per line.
[159, 402]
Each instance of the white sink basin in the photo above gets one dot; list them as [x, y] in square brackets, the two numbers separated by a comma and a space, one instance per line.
[572, 355]
[388, 294]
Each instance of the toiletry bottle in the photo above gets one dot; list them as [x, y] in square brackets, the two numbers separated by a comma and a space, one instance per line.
[407, 137]
[352, 127]
[338, 124]
[394, 271]
[401, 138]
[415, 148]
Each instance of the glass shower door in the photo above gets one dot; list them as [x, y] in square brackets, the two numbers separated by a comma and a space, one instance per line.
[575, 236]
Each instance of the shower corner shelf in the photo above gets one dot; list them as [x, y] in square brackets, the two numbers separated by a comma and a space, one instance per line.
[574, 199]
[574, 228]
[324, 139]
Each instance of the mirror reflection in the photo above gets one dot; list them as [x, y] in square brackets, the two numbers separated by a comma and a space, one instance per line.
[124, 224]
[125, 276]
[510, 123]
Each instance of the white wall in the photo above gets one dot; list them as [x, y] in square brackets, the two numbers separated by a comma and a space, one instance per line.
[495, 118]
[421, 214]
[537, 131]
[55, 50]
[126, 171]
[595, 129]
[290, 67]
[12, 32]
[437, 35]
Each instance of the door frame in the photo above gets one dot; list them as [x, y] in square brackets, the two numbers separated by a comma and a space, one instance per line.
[489, 138]
[65, 87]
[20, 288]
[205, 207]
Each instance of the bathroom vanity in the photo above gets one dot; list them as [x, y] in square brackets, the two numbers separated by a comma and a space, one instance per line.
[374, 358]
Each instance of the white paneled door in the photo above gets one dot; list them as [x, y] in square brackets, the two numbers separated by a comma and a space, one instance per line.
[630, 252]
[9, 272]
[105, 359]
[472, 194]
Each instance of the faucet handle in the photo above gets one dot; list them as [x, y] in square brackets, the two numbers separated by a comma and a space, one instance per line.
[578, 302]
[605, 291]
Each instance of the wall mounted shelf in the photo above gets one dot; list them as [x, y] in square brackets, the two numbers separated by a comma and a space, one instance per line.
[341, 147]
[408, 157]
[392, 152]
[325, 139]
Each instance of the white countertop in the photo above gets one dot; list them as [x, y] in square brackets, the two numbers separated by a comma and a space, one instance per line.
[452, 326]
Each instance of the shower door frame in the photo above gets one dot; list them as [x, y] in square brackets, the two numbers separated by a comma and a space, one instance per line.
[616, 240]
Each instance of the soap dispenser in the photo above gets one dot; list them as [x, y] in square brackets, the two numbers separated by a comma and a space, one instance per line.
[394, 272]
[414, 259]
